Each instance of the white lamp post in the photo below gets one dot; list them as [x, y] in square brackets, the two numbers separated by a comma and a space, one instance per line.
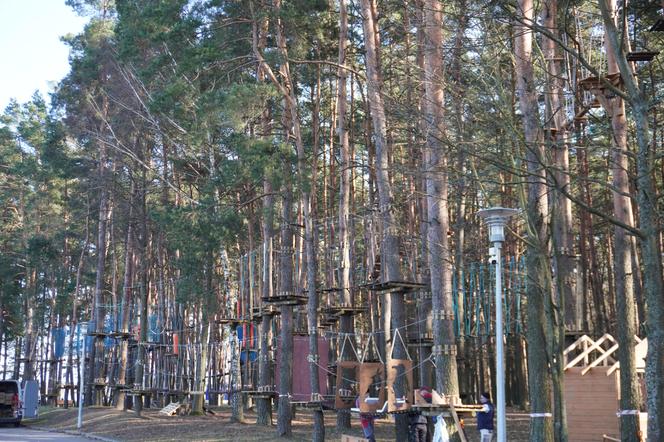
[496, 218]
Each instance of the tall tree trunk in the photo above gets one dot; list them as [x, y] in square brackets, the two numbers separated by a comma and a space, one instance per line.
[284, 416]
[30, 340]
[389, 257]
[461, 195]
[97, 353]
[346, 296]
[292, 123]
[564, 307]
[145, 296]
[264, 405]
[201, 368]
[439, 255]
[73, 320]
[126, 304]
[623, 271]
[539, 375]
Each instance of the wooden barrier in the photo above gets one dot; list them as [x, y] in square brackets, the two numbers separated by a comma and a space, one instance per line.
[346, 391]
[372, 390]
[399, 385]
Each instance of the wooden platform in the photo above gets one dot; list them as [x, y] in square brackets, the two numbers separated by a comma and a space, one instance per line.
[330, 290]
[261, 394]
[340, 310]
[310, 405]
[641, 55]
[174, 392]
[420, 342]
[285, 299]
[139, 392]
[99, 334]
[229, 320]
[326, 323]
[267, 310]
[591, 83]
[120, 335]
[394, 286]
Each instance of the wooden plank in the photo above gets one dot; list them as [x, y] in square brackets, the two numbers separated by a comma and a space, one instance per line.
[170, 409]
[349, 438]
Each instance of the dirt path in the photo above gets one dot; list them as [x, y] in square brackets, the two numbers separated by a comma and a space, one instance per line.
[126, 426]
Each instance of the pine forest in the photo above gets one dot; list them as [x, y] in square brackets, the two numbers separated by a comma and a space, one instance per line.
[343, 220]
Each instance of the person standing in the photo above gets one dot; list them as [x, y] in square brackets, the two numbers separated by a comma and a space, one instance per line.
[485, 418]
[417, 423]
[367, 422]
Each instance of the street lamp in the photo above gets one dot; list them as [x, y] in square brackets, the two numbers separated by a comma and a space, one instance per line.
[496, 218]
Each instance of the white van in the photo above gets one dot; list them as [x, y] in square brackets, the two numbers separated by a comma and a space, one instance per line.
[18, 400]
[11, 403]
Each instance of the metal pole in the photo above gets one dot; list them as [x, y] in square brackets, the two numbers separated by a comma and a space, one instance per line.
[500, 351]
[81, 388]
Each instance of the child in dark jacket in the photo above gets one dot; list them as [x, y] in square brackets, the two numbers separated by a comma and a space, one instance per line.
[485, 418]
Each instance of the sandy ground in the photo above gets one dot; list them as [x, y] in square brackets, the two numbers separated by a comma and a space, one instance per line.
[126, 426]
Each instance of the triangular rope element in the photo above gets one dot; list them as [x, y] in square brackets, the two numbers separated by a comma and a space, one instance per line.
[398, 334]
[372, 340]
[343, 346]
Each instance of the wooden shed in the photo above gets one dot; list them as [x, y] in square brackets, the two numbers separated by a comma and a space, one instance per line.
[592, 387]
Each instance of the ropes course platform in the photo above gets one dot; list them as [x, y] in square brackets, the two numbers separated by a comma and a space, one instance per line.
[261, 394]
[394, 286]
[99, 334]
[312, 405]
[641, 55]
[420, 341]
[330, 290]
[120, 335]
[266, 310]
[230, 320]
[285, 299]
[140, 392]
[341, 310]
[590, 83]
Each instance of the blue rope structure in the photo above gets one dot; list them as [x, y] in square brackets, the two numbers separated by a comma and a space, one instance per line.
[474, 293]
